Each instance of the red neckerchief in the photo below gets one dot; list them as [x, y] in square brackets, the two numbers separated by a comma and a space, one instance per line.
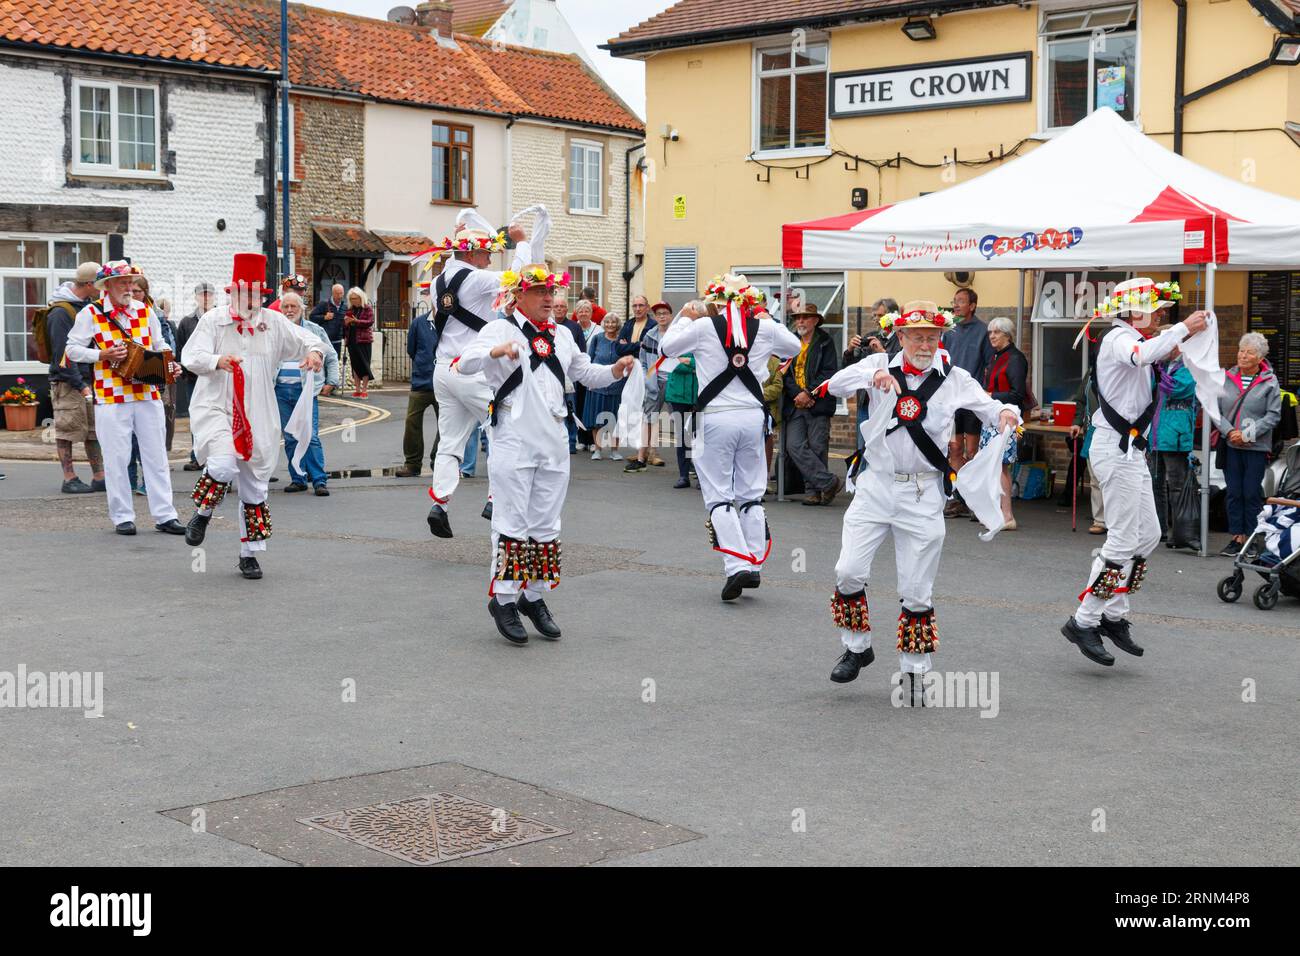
[910, 369]
[240, 326]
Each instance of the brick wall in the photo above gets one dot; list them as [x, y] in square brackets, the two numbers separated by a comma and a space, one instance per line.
[212, 151]
[329, 163]
[539, 173]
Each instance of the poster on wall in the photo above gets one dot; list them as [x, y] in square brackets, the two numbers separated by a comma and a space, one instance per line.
[1110, 87]
[1273, 310]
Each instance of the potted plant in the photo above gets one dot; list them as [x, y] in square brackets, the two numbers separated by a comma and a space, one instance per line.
[20, 407]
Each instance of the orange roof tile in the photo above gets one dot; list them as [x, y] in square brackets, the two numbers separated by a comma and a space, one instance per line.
[328, 51]
[476, 17]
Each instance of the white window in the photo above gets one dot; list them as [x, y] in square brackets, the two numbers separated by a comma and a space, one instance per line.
[790, 97]
[586, 177]
[582, 275]
[31, 268]
[1089, 60]
[1063, 301]
[116, 130]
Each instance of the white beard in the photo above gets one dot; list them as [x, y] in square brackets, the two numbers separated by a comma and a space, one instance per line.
[921, 363]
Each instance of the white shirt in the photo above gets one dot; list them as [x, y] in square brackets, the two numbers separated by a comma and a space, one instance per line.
[1123, 375]
[573, 360]
[959, 391]
[699, 337]
[477, 293]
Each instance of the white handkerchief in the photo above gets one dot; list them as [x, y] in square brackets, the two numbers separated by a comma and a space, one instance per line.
[299, 425]
[1201, 356]
[630, 417]
[980, 483]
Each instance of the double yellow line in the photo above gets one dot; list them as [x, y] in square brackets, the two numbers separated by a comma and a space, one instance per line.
[373, 414]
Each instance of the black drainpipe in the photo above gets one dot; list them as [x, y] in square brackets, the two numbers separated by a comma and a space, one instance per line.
[627, 225]
[268, 177]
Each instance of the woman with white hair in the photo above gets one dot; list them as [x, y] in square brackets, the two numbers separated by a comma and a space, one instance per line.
[1249, 409]
[1006, 379]
[359, 333]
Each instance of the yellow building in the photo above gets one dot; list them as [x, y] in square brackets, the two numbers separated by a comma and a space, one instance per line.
[748, 128]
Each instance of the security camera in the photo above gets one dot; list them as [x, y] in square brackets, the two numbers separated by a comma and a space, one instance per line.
[674, 136]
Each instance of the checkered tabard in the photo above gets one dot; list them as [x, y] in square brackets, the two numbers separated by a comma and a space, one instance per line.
[111, 388]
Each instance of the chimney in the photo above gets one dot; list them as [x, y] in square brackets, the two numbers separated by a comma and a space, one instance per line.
[436, 14]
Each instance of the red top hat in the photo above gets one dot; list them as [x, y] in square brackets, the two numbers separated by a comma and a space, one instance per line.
[250, 268]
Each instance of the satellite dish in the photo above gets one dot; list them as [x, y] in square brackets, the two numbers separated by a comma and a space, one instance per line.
[403, 15]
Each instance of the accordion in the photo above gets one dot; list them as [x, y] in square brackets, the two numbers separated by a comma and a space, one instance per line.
[146, 365]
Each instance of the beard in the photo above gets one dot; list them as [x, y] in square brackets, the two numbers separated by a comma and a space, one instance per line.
[922, 362]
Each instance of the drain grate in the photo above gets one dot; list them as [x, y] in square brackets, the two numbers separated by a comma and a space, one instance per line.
[433, 828]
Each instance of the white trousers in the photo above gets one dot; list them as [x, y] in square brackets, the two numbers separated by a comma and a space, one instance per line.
[1132, 525]
[731, 465]
[115, 424]
[526, 498]
[245, 486]
[462, 404]
[915, 514]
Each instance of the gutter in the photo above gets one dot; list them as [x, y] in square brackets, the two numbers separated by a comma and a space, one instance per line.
[1271, 11]
[751, 31]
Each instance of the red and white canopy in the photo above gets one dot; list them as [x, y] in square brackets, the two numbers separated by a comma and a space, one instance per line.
[1099, 195]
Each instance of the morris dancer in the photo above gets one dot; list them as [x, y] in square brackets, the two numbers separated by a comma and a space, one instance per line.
[914, 434]
[731, 352]
[463, 296]
[236, 352]
[125, 407]
[1117, 457]
[529, 465]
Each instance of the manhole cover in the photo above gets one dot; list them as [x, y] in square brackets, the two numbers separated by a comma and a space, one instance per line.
[433, 828]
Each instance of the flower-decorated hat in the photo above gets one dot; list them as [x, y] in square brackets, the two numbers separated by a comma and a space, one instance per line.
[887, 321]
[733, 288]
[473, 234]
[530, 277]
[117, 269]
[922, 314]
[1139, 295]
[294, 283]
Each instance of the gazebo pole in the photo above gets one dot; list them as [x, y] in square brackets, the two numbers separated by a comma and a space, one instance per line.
[1205, 432]
[780, 435]
[1020, 311]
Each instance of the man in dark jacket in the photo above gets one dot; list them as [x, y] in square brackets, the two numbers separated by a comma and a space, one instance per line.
[74, 409]
[422, 347]
[807, 419]
[968, 348]
[205, 297]
[328, 314]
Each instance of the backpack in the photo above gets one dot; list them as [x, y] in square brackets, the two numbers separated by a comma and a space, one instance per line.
[41, 329]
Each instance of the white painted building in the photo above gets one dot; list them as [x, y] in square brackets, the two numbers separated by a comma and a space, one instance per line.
[164, 166]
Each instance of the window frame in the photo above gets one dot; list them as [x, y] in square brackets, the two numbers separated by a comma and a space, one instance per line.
[588, 146]
[575, 288]
[1046, 41]
[757, 75]
[451, 144]
[113, 169]
[53, 278]
[1038, 323]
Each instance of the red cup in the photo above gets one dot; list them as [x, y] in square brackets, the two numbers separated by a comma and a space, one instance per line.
[1063, 413]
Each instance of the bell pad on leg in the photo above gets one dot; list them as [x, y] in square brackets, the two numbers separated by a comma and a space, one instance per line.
[514, 559]
[1107, 580]
[849, 611]
[546, 560]
[1137, 575]
[917, 632]
[208, 492]
[257, 521]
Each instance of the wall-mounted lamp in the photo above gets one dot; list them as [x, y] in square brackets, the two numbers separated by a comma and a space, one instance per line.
[919, 30]
[1286, 51]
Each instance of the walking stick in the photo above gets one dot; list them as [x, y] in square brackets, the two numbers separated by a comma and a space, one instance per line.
[1074, 487]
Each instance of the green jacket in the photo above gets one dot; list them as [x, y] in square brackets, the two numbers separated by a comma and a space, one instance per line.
[682, 387]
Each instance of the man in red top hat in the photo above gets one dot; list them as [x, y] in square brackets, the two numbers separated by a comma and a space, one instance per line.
[236, 351]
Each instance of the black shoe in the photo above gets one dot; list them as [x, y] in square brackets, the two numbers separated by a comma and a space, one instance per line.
[126, 527]
[1230, 549]
[439, 526]
[1088, 640]
[847, 667]
[197, 529]
[683, 483]
[507, 621]
[633, 466]
[752, 579]
[540, 615]
[192, 466]
[294, 487]
[97, 484]
[1118, 632]
[250, 569]
[487, 510]
[321, 491]
[75, 486]
[171, 526]
[735, 584]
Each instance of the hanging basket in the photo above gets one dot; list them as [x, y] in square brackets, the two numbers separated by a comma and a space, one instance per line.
[20, 418]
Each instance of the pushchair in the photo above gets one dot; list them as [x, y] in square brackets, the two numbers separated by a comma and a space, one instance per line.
[1273, 548]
